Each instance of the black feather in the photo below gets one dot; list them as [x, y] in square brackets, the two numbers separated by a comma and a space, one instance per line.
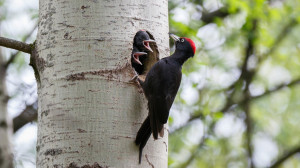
[142, 136]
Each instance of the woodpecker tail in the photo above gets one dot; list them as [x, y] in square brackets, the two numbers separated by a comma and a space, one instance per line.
[143, 136]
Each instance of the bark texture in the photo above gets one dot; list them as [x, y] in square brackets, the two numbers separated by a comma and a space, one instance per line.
[89, 112]
[6, 157]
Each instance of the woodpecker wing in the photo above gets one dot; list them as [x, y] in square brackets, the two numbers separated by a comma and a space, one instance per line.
[161, 85]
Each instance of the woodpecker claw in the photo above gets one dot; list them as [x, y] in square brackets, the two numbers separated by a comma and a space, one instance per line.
[135, 78]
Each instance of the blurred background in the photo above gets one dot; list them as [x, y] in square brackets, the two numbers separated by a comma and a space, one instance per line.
[238, 104]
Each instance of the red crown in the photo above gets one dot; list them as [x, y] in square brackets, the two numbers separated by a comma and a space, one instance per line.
[191, 43]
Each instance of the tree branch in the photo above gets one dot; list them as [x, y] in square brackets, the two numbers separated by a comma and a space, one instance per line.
[295, 82]
[279, 39]
[247, 76]
[25, 38]
[194, 153]
[17, 45]
[248, 122]
[229, 104]
[29, 114]
[285, 156]
[209, 17]
[285, 31]
[207, 131]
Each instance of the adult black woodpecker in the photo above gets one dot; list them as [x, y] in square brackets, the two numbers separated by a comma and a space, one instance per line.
[141, 43]
[160, 88]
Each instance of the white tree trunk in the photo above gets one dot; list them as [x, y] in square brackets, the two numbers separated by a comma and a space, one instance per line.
[6, 157]
[89, 113]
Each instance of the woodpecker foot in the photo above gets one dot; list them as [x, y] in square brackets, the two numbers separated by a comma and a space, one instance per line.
[135, 78]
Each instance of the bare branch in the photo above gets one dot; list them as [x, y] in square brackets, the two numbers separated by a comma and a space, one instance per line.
[247, 76]
[209, 17]
[206, 132]
[225, 109]
[14, 44]
[29, 114]
[285, 156]
[248, 122]
[13, 56]
[295, 82]
[279, 39]
[285, 31]
[194, 153]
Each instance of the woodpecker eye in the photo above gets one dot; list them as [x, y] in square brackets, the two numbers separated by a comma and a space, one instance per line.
[182, 40]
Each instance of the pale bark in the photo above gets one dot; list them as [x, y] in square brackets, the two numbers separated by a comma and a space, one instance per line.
[88, 112]
[6, 157]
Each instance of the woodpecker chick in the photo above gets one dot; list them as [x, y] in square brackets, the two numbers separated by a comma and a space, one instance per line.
[141, 44]
[135, 56]
[160, 88]
[142, 41]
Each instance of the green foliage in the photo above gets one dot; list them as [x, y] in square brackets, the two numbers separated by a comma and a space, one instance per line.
[2, 11]
[267, 34]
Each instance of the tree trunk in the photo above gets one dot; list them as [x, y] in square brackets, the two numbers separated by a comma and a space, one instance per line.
[89, 112]
[6, 157]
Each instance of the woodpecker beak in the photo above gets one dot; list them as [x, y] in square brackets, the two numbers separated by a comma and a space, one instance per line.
[174, 37]
[147, 45]
[136, 56]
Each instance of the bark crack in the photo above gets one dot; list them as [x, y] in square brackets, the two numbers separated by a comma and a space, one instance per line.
[149, 161]
[109, 74]
[53, 152]
[95, 165]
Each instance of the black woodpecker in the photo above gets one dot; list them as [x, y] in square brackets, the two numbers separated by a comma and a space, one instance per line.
[141, 43]
[160, 88]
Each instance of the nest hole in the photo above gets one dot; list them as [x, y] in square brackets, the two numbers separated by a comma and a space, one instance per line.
[147, 60]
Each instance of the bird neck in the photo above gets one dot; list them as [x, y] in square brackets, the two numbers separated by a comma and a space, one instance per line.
[179, 56]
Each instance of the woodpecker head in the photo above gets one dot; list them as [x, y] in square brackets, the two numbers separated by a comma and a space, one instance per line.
[184, 44]
[142, 40]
